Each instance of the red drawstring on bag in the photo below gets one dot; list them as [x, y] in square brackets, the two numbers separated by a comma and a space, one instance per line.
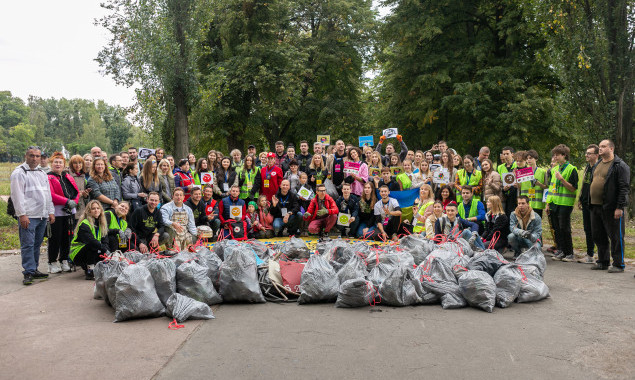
[174, 325]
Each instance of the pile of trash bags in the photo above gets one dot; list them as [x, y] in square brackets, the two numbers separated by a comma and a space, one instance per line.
[413, 271]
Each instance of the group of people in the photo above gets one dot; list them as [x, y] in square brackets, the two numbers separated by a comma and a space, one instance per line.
[99, 203]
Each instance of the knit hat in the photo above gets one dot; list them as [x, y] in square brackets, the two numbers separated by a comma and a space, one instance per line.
[252, 203]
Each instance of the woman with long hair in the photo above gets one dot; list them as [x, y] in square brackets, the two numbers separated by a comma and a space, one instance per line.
[408, 179]
[103, 186]
[357, 180]
[90, 239]
[418, 159]
[202, 166]
[225, 178]
[317, 171]
[496, 221]
[150, 178]
[79, 173]
[249, 179]
[468, 176]
[492, 182]
[166, 177]
[88, 163]
[131, 188]
[211, 160]
[422, 208]
[117, 225]
[367, 225]
[437, 212]
[375, 166]
[446, 195]
[65, 195]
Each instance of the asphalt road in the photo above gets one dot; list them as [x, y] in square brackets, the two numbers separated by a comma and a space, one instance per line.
[585, 330]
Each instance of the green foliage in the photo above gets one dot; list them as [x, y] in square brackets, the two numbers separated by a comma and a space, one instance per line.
[5, 220]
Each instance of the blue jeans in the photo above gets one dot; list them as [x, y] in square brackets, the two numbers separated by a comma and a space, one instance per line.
[478, 242]
[30, 242]
[360, 229]
[517, 243]
[292, 226]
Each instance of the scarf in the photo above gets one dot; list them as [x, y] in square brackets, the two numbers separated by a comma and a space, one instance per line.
[524, 218]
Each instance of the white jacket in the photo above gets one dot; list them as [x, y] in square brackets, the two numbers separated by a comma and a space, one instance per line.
[30, 192]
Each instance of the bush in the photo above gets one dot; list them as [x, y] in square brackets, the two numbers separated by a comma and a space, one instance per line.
[5, 220]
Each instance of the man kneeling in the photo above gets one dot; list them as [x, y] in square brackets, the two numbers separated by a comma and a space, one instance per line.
[322, 212]
[525, 226]
[179, 221]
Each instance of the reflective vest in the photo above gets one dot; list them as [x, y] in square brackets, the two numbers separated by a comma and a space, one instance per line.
[534, 193]
[473, 209]
[419, 225]
[77, 246]
[406, 183]
[558, 194]
[474, 180]
[502, 169]
[115, 223]
[248, 178]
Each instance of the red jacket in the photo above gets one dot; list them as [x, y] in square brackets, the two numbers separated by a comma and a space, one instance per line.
[274, 179]
[329, 203]
[56, 189]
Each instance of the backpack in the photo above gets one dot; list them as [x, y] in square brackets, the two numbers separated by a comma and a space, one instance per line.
[10, 206]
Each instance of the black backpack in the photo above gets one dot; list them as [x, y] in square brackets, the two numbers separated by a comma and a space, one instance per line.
[10, 207]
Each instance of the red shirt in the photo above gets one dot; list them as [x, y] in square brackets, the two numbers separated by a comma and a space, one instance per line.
[271, 178]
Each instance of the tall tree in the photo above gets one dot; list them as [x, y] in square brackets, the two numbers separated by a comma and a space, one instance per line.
[153, 45]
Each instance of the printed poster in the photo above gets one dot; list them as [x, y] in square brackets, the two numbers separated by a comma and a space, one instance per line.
[390, 132]
[324, 139]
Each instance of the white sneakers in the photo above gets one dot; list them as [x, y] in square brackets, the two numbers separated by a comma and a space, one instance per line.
[65, 266]
[57, 268]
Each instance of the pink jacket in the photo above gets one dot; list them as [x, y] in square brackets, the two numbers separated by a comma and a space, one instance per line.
[358, 187]
[56, 189]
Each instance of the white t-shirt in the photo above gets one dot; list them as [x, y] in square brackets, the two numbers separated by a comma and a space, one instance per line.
[379, 207]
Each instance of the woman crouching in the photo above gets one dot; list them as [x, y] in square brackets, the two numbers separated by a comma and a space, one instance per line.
[91, 238]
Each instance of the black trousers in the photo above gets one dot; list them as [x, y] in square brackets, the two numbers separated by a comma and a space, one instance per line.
[87, 256]
[60, 240]
[560, 217]
[606, 228]
[588, 231]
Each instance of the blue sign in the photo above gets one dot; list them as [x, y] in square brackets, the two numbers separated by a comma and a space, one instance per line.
[366, 141]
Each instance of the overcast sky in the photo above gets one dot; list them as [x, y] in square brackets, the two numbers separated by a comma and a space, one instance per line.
[47, 49]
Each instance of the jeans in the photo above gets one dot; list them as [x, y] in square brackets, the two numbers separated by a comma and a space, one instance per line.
[291, 225]
[478, 242]
[30, 243]
[517, 243]
[360, 230]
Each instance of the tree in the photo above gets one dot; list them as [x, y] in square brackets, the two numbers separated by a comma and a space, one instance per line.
[13, 111]
[153, 45]
[118, 128]
[20, 137]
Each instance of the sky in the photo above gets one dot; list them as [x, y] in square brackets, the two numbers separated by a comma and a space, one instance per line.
[47, 49]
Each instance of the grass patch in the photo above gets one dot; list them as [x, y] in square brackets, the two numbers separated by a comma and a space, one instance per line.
[9, 238]
[5, 172]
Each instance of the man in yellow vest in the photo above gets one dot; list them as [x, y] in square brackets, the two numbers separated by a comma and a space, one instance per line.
[534, 190]
[560, 200]
[508, 165]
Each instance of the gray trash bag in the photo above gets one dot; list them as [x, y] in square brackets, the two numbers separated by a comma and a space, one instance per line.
[220, 247]
[378, 274]
[262, 250]
[354, 268]
[213, 263]
[507, 280]
[182, 308]
[163, 273]
[533, 256]
[135, 256]
[488, 261]
[478, 289]
[392, 256]
[357, 292]
[318, 282]
[401, 288]
[295, 248]
[438, 278]
[337, 253]
[102, 270]
[183, 257]
[532, 288]
[465, 246]
[239, 278]
[418, 246]
[192, 281]
[359, 248]
[136, 295]
[451, 255]
[110, 278]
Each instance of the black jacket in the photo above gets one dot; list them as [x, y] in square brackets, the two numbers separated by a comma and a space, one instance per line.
[352, 206]
[84, 235]
[144, 224]
[501, 224]
[289, 201]
[616, 186]
[200, 218]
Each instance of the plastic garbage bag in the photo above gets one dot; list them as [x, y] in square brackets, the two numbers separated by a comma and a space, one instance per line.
[337, 253]
[418, 246]
[136, 295]
[184, 257]
[163, 273]
[225, 245]
[507, 280]
[466, 247]
[239, 278]
[451, 254]
[488, 261]
[390, 255]
[192, 281]
[478, 289]
[532, 288]
[354, 268]
[356, 292]
[533, 256]
[135, 256]
[438, 278]
[262, 250]
[110, 278]
[102, 272]
[378, 274]
[213, 264]
[319, 281]
[295, 248]
[401, 288]
[183, 308]
[360, 248]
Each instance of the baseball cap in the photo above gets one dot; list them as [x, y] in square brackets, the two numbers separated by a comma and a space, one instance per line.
[251, 146]
[271, 154]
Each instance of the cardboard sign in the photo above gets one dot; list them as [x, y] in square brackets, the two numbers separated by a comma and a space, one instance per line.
[351, 167]
[524, 175]
[305, 193]
[441, 176]
[343, 219]
[509, 179]
[145, 153]
[374, 172]
[324, 139]
[434, 167]
[236, 212]
[366, 141]
[396, 170]
[207, 178]
[390, 132]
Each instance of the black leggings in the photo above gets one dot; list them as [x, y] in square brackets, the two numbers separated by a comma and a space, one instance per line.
[87, 256]
[60, 240]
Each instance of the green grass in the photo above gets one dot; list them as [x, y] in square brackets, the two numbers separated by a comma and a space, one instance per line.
[9, 238]
[5, 172]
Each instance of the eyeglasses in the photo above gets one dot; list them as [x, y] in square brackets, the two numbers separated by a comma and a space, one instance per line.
[321, 191]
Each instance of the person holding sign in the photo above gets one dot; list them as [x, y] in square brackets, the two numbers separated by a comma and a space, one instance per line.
[560, 201]
[202, 167]
[322, 212]
[468, 176]
[358, 171]
[179, 221]
[232, 212]
[249, 179]
[349, 210]
[270, 177]
[226, 177]
[390, 149]
[534, 189]
[317, 171]
[508, 165]
[285, 209]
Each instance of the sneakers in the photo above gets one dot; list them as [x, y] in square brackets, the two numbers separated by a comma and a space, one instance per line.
[599, 266]
[586, 260]
[614, 269]
[559, 255]
[39, 275]
[569, 258]
[65, 266]
[28, 279]
[54, 267]
[90, 275]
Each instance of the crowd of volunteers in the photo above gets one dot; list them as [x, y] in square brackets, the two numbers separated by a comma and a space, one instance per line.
[97, 203]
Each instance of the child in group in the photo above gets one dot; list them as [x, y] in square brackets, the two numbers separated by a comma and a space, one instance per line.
[265, 219]
[253, 219]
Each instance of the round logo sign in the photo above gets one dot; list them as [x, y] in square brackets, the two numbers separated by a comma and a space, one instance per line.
[509, 179]
[343, 219]
[236, 229]
[206, 178]
[235, 211]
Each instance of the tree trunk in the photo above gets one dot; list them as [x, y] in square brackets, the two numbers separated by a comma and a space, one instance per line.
[181, 134]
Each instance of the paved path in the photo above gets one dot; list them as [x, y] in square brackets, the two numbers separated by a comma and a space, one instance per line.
[54, 329]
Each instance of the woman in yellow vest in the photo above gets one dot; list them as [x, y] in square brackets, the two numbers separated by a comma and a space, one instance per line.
[117, 227]
[534, 189]
[468, 176]
[560, 200]
[422, 208]
[91, 238]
